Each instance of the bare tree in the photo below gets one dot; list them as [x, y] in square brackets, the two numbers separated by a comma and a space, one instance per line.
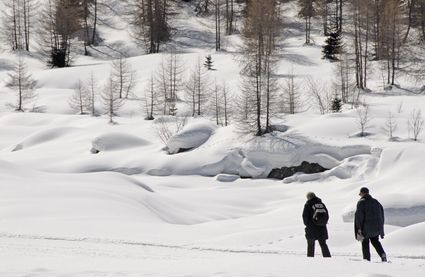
[307, 11]
[292, 102]
[169, 82]
[79, 100]
[259, 33]
[111, 100]
[390, 126]
[151, 100]
[59, 22]
[123, 76]
[217, 5]
[197, 88]
[226, 100]
[362, 24]
[92, 94]
[320, 95]
[22, 82]
[166, 127]
[17, 23]
[415, 124]
[344, 78]
[89, 14]
[229, 16]
[217, 103]
[391, 38]
[150, 23]
[363, 119]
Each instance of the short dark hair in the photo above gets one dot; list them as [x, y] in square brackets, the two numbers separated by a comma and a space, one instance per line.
[311, 195]
[364, 190]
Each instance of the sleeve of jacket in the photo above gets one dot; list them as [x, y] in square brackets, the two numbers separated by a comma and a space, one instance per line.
[359, 216]
[382, 213]
[306, 214]
[383, 220]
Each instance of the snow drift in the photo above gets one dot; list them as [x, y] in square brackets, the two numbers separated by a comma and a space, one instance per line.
[192, 136]
[115, 142]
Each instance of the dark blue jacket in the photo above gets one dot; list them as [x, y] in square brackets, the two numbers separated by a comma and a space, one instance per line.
[312, 231]
[369, 217]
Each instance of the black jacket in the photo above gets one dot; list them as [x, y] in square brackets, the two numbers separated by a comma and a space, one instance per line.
[312, 231]
[369, 217]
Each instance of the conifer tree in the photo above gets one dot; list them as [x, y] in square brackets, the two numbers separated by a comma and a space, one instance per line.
[336, 104]
[209, 62]
[333, 46]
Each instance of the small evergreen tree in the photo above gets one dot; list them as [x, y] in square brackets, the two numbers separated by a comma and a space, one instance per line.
[172, 109]
[336, 104]
[209, 62]
[333, 46]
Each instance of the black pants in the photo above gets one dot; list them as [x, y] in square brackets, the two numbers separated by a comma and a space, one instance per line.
[376, 244]
[323, 246]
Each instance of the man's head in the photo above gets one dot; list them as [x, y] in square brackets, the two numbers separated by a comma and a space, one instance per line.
[364, 191]
[310, 195]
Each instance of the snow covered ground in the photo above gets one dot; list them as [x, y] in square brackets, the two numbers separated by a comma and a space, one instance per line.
[81, 197]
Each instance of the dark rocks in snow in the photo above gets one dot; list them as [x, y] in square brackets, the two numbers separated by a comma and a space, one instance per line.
[304, 167]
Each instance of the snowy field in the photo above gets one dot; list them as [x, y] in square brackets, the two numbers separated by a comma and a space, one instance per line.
[81, 197]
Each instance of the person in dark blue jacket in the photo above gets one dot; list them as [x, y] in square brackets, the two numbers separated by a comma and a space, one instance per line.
[369, 224]
[314, 230]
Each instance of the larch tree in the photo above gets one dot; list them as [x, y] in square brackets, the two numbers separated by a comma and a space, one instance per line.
[229, 16]
[89, 15]
[92, 87]
[123, 76]
[17, 23]
[307, 11]
[196, 88]
[150, 23]
[226, 97]
[259, 83]
[217, 6]
[111, 100]
[22, 82]
[217, 103]
[152, 99]
[79, 100]
[59, 22]
[391, 37]
[169, 82]
[292, 102]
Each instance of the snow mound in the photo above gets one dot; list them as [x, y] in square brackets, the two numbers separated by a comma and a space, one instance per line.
[192, 136]
[259, 156]
[411, 236]
[394, 214]
[398, 185]
[159, 172]
[44, 136]
[227, 178]
[230, 164]
[115, 142]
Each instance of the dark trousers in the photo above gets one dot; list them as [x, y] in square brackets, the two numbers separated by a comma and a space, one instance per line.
[323, 246]
[376, 244]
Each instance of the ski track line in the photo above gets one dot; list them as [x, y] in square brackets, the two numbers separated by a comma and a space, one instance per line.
[185, 247]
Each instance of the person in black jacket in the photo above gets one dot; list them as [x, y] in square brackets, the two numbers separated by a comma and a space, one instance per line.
[369, 224]
[313, 231]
